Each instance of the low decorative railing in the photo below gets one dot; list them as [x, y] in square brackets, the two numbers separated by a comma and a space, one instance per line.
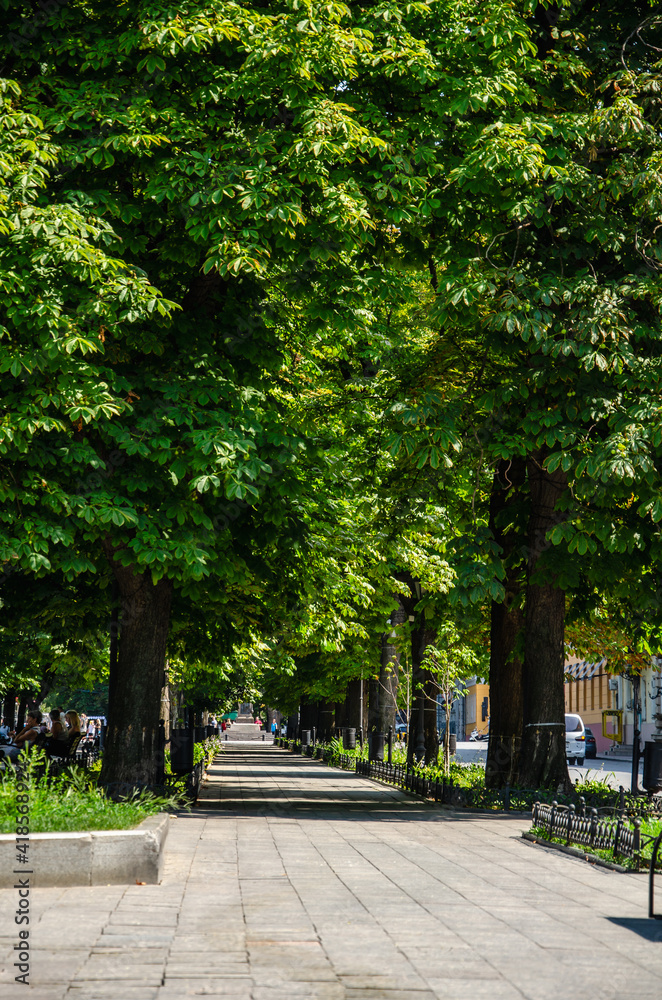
[589, 829]
[414, 781]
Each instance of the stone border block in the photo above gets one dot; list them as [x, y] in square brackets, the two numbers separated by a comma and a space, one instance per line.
[100, 857]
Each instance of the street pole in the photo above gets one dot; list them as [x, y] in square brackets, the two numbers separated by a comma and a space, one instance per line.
[636, 749]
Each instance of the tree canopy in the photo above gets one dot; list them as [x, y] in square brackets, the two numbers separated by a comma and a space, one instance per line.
[309, 304]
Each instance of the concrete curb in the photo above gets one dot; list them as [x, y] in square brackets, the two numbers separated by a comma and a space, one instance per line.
[100, 857]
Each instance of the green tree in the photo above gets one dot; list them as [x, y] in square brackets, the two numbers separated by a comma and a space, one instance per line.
[215, 143]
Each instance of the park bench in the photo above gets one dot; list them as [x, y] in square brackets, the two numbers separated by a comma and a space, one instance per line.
[62, 761]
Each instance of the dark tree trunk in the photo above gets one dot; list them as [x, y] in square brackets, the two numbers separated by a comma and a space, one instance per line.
[132, 754]
[20, 718]
[543, 762]
[373, 705]
[341, 715]
[326, 719]
[424, 687]
[9, 708]
[389, 673]
[424, 693]
[506, 630]
[308, 715]
[354, 704]
[45, 687]
[293, 726]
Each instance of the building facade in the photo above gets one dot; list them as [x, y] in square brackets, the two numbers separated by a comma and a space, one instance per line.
[590, 689]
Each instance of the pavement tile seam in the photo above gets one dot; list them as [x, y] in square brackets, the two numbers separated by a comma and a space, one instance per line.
[476, 914]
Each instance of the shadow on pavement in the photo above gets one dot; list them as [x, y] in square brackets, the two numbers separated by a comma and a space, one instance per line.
[234, 788]
[646, 928]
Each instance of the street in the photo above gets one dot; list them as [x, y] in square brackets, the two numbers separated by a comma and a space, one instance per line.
[612, 771]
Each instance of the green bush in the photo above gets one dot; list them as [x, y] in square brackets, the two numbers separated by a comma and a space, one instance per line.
[70, 801]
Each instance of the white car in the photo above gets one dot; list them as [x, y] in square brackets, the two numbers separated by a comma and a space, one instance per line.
[575, 739]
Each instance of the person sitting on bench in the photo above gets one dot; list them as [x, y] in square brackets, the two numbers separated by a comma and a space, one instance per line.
[62, 747]
[28, 734]
[56, 742]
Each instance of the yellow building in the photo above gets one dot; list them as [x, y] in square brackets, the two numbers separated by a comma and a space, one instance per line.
[590, 689]
[476, 706]
[587, 693]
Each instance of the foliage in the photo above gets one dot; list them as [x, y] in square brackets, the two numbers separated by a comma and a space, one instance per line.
[303, 274]
[649, 830]
[70, 801]
[203, 753]
[91, 701]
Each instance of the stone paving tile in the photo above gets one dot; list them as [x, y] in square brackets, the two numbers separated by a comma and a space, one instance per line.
[15, 991]
[108, 990]
[143, 916]
[233, 989]
[207, 972]
[309, 884]
[302, 990]
[454, 989]
[98, 969]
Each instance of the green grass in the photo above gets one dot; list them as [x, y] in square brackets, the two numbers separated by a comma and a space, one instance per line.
[649, 828]
[70, 802]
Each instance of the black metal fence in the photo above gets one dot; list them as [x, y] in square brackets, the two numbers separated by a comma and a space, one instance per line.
[586, 827]
[415, 781]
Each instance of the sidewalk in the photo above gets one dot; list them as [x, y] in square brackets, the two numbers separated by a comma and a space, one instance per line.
[303, 882]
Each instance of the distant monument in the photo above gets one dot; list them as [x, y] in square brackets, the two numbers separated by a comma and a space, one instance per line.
[244, 728]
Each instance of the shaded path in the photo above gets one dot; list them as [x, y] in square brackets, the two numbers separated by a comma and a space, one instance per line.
[294, 880]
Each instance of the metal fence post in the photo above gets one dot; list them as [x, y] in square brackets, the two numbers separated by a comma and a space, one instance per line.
[651, 880]
[571, 820]
[594, 825]
[637, 840]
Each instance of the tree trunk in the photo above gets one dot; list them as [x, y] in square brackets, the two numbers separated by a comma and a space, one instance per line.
[506, 631]
[425, 690]
[354, 720]
[543, 762]
[9, 708]
[326, 719]
[293, 726]
[45, 686]
[373, 705]
[20, 718]
[389, 673]
[308, 715]
[132, 753]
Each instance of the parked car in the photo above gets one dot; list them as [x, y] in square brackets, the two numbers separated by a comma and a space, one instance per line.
[575, 739]
[400, 729]
[590, 744]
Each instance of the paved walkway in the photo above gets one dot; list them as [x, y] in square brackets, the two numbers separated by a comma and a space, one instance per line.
[306, 883]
